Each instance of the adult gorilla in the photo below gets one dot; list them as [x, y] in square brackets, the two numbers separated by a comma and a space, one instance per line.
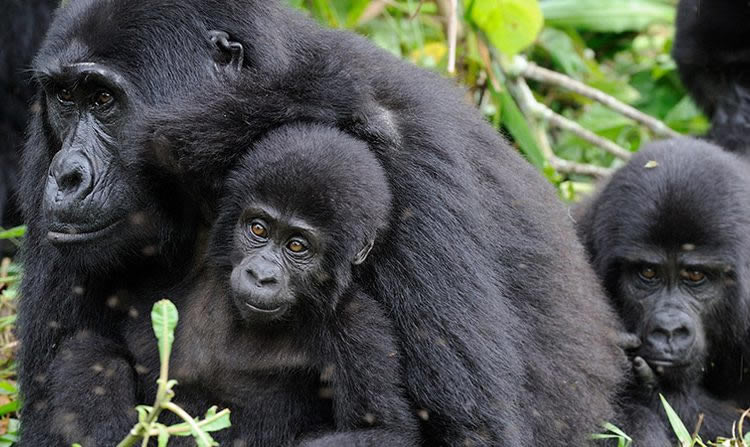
[713, 56]
[672, 245]
[505, 335]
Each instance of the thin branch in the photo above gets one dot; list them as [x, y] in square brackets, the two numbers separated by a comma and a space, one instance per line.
[187, 418]
[566, 166]
[538, 110]
[452, 35]
[530, 70]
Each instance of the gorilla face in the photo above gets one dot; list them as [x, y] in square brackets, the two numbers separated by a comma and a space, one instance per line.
[667, 296]
[88, 194]
[106, 198]
[275, 259]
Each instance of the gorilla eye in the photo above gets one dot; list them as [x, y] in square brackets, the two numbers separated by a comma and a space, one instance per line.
[647, 273]
[259, 229]
[64, 95]
[693, 276]
[296, 246]
[103, 98]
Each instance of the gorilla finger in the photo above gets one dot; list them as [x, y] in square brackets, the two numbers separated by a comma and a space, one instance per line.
[643, 371]
[628, 341]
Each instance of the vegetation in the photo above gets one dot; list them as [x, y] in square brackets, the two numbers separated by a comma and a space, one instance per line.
[576, 85]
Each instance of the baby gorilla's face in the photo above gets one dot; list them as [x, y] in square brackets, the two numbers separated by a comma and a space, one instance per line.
[273, 258]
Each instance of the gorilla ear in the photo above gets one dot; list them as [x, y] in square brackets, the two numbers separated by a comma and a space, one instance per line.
[229, 55]
[362, 254]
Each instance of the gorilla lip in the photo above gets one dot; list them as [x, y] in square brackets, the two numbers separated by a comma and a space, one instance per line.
[262, 310]
[73, 236]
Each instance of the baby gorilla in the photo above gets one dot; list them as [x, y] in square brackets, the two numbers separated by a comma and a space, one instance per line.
[670, 238]
[291, 345]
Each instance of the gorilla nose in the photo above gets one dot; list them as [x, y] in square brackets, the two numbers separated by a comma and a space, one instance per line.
[71, 177]
[264, 276]
[671, 334]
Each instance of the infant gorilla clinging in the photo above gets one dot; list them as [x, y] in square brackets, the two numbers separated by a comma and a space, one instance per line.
[293, 343]
[273, 326]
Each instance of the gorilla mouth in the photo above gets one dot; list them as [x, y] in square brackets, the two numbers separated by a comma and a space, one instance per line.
[68, 234]
[264, 310]
[666, 362]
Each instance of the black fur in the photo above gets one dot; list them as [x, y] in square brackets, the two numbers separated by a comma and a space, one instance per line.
[505, 335]
[713, 58]
[22, 27]
[690, 214]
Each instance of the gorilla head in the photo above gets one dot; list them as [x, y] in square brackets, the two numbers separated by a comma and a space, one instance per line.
[104, 198]
[303, 207]
[670, 236]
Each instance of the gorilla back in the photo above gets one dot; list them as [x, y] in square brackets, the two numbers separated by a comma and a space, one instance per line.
[482, 273]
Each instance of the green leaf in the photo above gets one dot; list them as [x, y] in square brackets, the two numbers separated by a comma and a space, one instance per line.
[677, 426]
[143, 412]
[220, 423]
[510, 25]
[13, 233]
[7, 388]
[163, 435]
[164, 318]
[10, 407]
[612, 16]
[516, 123]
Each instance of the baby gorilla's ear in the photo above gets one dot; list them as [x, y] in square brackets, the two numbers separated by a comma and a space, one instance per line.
[362, 254]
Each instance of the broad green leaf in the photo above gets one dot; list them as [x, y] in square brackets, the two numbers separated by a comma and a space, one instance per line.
[612, 16]
[516, 123]
[10, 407]
[12, 233]
[510, 25]
[677, 426]
[8, 387]
[562, 50]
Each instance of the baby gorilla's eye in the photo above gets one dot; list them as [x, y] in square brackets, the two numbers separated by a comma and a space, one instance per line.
[647, 273]
[64, 95]
[693, 276]
[103, 98]
[259, 229]
[297, 246]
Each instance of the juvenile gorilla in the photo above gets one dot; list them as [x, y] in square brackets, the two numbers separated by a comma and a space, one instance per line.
[672, 245]
[502, 326]
[276, 329]
[713, 56]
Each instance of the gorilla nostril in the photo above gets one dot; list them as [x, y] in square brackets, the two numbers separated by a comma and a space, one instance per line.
[268, 281]
[70, 181]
